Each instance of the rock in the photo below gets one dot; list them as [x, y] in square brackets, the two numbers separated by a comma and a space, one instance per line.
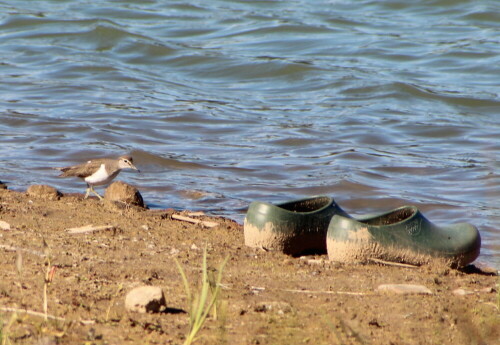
[404, 289]
[123, 192]
[4, 225]
[44, 192]
[316, 262]
[461, 292]
[145, 299]
[3, 185]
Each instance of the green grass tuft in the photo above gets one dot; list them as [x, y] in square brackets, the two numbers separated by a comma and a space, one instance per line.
[203, 301]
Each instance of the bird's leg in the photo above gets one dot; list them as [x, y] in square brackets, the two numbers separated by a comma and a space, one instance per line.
[93, 191]
[90, 188]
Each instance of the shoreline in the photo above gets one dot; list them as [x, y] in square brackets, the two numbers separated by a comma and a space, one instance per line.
[266, 297]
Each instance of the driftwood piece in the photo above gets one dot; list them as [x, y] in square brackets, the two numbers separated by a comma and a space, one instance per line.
[195, 221]
[31, 312]
[39, 314]
[89, 228]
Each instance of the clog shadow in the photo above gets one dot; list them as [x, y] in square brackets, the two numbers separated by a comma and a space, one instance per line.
[473, 269]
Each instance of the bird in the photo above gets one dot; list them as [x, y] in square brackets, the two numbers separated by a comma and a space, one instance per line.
[98, 172]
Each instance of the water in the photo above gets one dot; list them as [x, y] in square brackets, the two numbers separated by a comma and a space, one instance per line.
[376, 103]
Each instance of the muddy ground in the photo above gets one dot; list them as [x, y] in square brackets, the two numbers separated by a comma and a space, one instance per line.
[267, 298]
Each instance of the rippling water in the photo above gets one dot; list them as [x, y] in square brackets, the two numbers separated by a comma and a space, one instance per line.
[376, 103]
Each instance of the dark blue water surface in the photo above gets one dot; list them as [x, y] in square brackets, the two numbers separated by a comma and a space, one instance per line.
[376, 103]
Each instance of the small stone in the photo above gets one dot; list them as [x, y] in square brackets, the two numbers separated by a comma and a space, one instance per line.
[404, 289]
[315, 262]
[146, 299]
[123, 192]
[256, 289]
[461, 292]
[4, 225]
[44, 192]
[273, 306]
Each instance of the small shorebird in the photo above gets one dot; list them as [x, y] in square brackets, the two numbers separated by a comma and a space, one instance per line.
[97, 172]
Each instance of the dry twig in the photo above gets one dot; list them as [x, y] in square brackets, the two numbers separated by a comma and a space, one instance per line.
[17, 249]
[390, 263]
[195, 221]
[89, 228]
[31, 312]
[330, 292]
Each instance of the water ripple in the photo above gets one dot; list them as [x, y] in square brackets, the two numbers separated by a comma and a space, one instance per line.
[225, 102]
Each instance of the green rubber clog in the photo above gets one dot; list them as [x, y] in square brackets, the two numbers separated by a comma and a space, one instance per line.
[294, 227]
[401, 235]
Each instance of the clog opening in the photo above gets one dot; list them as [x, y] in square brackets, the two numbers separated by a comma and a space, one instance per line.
[306, 205]
[394, 217]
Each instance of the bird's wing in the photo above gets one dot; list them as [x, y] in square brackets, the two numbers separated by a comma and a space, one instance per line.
[81, 170]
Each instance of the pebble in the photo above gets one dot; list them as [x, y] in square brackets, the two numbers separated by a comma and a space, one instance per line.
[145, 299]
[43, 191]
[404, 289]
[274, 306]
[461, 292]
[123, 192]
[4, 225]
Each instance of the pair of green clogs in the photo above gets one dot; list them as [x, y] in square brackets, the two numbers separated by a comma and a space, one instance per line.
[319, 225]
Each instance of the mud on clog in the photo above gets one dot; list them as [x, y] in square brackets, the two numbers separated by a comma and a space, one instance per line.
[401, 235]
[293, 227]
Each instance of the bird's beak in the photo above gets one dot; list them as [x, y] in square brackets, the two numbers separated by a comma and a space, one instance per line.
[134, 167]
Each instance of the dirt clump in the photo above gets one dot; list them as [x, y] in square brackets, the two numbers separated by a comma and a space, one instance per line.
[124, 193]
[82, 277]
[44, 192]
